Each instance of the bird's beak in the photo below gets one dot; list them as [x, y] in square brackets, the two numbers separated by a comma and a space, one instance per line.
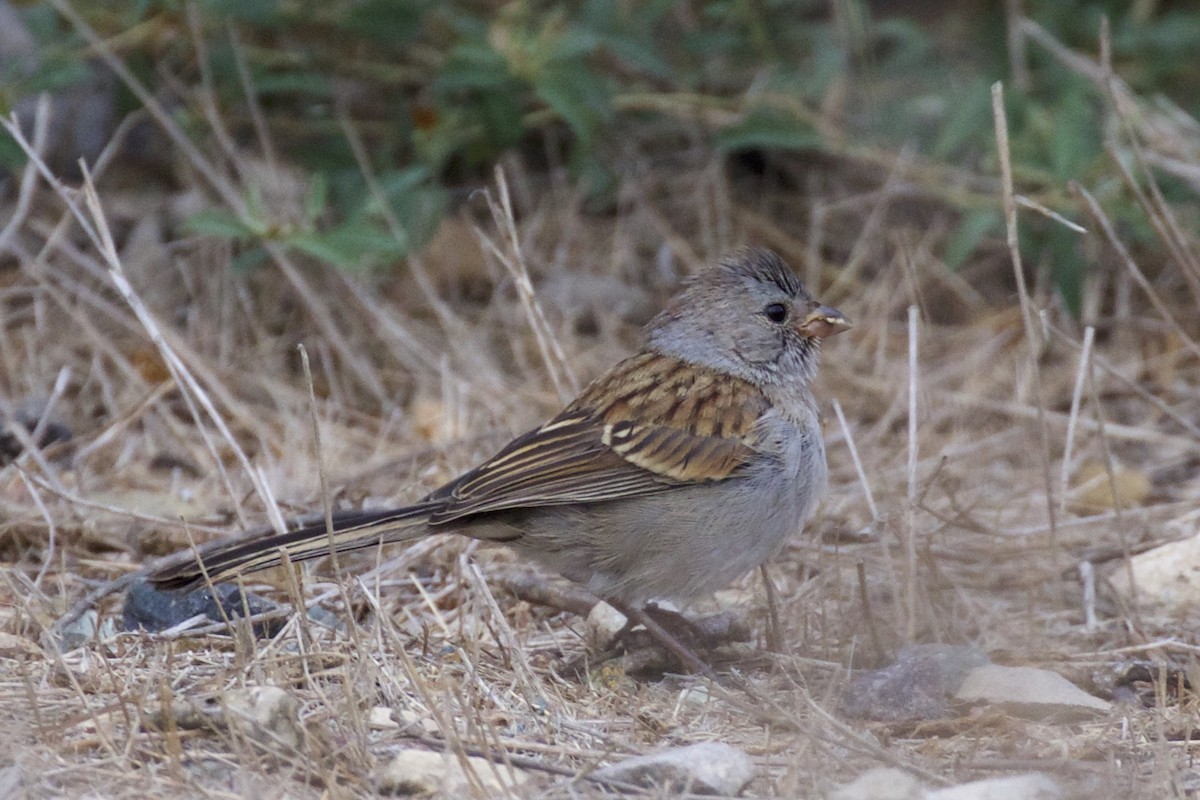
[823, 322]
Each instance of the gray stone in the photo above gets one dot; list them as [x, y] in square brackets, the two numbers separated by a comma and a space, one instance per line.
[1032, 786]
[1167, 578]
[152, 609]
[705, 768]
[264, 714]
[917, 686]
[424, 772]
[881, 784]
[603, 625]
[84, 630]
[1036, 694]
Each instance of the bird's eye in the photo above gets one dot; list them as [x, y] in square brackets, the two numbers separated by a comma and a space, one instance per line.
[776, 312]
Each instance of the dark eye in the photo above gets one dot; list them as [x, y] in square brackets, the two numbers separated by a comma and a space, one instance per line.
[776, 312]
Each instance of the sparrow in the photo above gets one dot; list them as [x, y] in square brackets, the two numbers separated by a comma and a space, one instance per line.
[682, 468]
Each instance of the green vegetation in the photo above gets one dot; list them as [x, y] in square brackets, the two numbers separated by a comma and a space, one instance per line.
[438, 91]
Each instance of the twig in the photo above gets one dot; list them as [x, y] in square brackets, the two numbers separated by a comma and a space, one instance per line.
[858, 467]
[1132, 385]
[913, 382]
[229, 195]
[910, 533]
[1134, 270]
[1033, 205]
[1115, 429]
[52, 535]
[864, 597]
[1089, 337]
[29, 175]
[1087, 575]
[326, 502]
[1031, 335]
[1118, 505]
[257, 119]
[1018, 62]
[559, 369]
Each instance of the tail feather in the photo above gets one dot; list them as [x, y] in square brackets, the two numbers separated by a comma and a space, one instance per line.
[226, 559]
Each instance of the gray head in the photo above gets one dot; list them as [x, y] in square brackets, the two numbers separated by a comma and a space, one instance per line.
[749, 316]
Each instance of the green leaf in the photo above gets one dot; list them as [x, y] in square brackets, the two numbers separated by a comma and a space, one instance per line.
[577, 94]
[257, 12]
[293, 82]
[644, 54]
[12, 157]
[768, 130]
[416, 200]
[1068, 268]
[502, 116]
[252, 258]
[390, 22]
[355, 245]
[970, 121]
[218, 222]
[594, 177]
[630, 32]
[973, 228]
[317, 198]
[572, 44]
[472, 65]
[1074, 143]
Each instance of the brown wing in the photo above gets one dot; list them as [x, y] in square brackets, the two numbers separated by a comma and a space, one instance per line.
[650, 423]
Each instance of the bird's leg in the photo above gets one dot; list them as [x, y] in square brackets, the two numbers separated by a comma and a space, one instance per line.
[687, 657]
[774, 628]
[679, 625]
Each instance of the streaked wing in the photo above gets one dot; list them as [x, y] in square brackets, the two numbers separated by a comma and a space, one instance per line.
[650, 423]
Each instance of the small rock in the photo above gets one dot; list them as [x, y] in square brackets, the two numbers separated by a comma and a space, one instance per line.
[412, 721]
[380, 718]
[705, 768]
[384, 718]
[881, 784]
[260, 712]
[603, 625]
[155, 610]
[1037, 694]
[697, 697]
[11, 780]
[87, 628]
[1167, 578]
[1093, 490]
[423, 772]
[1033, 786]
[13, 646]
[1188, 783]
[157, 503]
[917, 686]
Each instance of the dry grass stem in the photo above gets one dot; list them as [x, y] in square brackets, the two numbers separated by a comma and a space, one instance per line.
[1033, 341]
[1085, 360]
[858, 466]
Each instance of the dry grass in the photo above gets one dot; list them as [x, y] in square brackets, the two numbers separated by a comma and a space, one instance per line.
[187, 397]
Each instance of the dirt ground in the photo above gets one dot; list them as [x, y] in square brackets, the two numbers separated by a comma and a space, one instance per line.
[964, 522]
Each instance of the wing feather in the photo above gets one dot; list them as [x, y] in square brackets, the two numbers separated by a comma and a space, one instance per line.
[649, 424]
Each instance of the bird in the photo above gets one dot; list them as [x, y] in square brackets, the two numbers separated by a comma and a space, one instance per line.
[680, 469]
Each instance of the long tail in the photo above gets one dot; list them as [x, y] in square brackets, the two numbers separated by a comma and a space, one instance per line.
[227, 558]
